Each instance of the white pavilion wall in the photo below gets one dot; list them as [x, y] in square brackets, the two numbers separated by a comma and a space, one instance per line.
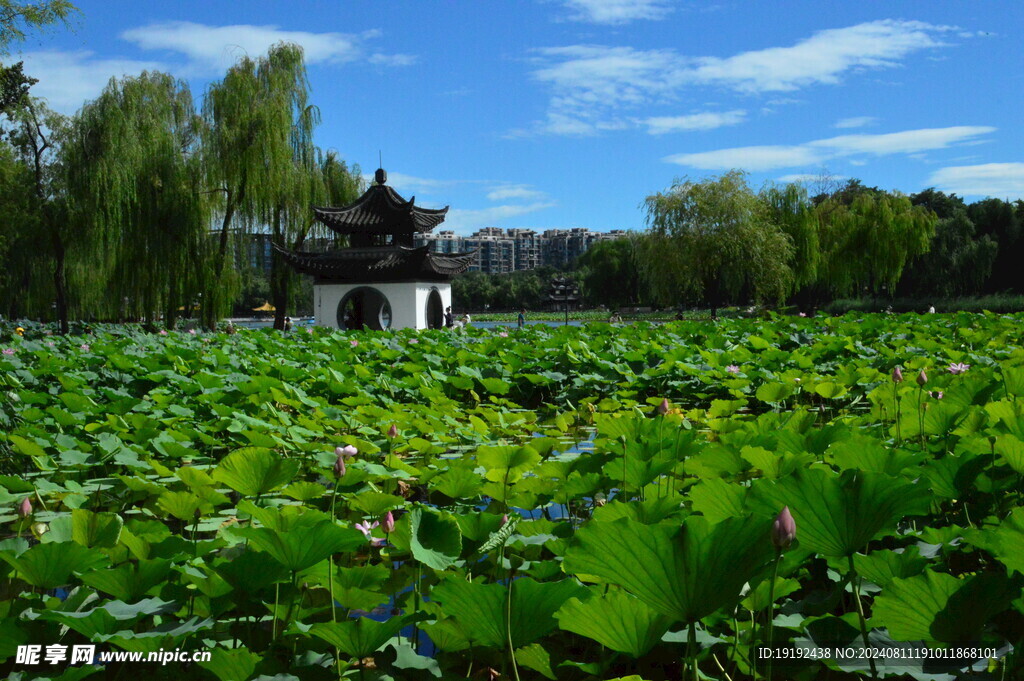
[408, 301]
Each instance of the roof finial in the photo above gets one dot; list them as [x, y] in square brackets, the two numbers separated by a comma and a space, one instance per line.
[381, 176]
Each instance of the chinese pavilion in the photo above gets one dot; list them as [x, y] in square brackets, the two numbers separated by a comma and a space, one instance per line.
[381, 281]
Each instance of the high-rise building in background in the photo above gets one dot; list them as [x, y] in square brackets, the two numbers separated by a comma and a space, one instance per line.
[500, 251]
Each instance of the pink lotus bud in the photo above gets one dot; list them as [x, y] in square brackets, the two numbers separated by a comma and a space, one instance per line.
[393, 431]
[663, 407]
[25, 508]
[897, 375]
[783, 529]
[389, 523]
[339, 467]
[504, 519]
[922, 378]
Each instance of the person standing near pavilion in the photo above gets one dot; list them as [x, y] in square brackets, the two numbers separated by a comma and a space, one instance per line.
[521, 320]
[449, 318]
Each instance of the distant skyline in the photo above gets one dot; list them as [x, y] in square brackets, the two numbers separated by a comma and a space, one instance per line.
[552, 114]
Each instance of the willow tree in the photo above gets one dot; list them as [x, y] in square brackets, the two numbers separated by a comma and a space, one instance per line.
[319, 179]
[791, 209]
[135, 188]
[715, 241]
[258, 153]
[867, 238]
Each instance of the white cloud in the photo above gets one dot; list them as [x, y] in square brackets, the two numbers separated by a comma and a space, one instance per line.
[464, 221]
[906, 142]
[590, 84]
[67, 79]
[215, 48]
[855, 122]
[811, 177]
[771, 157]
[617, 11]
[999, 180]
[708, 120]
[514, 191]
[748, 158]
[823, 57]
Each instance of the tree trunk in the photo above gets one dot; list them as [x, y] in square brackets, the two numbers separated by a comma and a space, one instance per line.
[213, 295]
[60, 284]
[278, 274]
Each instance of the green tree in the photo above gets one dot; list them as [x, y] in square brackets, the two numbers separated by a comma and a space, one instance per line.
[867, 238]
[716, 241]
[44, 235]
[260, 159]
[791, 209]
[133, 174]
[16, 19]
[610, 273]
[999, 220]
[958, 263]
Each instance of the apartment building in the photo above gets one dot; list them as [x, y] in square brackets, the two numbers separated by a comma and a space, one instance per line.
[513, 250]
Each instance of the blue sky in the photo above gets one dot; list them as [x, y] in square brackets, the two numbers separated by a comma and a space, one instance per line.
[567, 113]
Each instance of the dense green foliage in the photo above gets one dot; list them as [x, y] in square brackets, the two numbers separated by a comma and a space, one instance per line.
[185, 493]
[110, 213]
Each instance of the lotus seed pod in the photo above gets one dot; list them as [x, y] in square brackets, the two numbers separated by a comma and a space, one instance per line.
[783, 529]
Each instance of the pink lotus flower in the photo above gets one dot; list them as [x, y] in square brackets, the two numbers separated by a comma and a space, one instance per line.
[935, 394]
[922, 378]
[503, 334]
[897, 375]
[413, 341]
[192, 331]
[663, 407]
[25, 507]
[8, 351]
[389, 523]
[783, 529]
[347, 451]
[367, 528]
[353, 343]
[309, 330]
[803, 314]
[958, 368]
[732, 369]
[393, 431]
[84, 346]
[50, 344]
[163, 332]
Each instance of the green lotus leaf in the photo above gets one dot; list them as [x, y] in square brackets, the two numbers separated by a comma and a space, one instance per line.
[129, 581]
[685, 572]
[506, 463]
[1005, 542]
[95, 529]
[615, 620]
[50, 565]
[359, 637]
[435, 538]
[838, 515]
[303, 546]
[936, 607]
[231, 665]
[480, 608]
[774, 393]
[254, 471]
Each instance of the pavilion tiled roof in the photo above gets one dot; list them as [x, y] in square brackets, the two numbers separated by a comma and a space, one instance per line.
[378, 263]
[380, 210]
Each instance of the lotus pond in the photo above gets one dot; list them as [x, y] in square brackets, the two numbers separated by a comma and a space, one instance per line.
[550, 503]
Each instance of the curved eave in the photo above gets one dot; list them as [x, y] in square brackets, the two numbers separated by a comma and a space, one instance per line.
[380, 209]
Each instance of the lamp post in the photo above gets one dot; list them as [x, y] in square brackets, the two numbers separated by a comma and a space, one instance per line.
[563, 289]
